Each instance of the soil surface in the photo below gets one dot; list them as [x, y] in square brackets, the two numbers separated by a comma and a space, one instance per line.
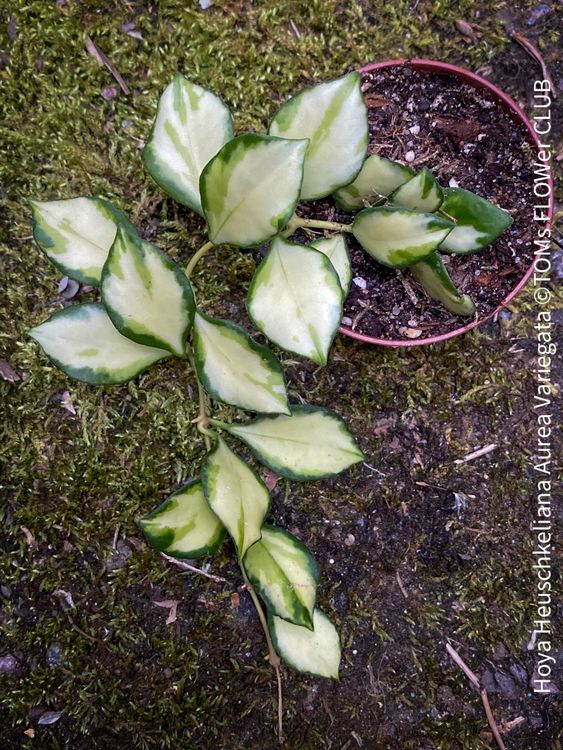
[465, 138]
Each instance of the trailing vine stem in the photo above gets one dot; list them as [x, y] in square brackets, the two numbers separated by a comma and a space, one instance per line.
[196, 257]
[297, 222]
[273, 657]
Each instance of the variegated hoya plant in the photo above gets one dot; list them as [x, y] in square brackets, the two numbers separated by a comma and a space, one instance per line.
[247, 189]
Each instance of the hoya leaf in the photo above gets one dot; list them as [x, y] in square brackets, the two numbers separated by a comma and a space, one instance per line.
[398, 237]
[82, 342]
[477, 221]
[315, 651]
[76, 234]
[191, 125]
[235, 494]
[285, 574]
[250, 189]
[333, 116]
[377, 179]
[183, 525]
[336, 251]
[432, 275]
[146, 294]
[235, 369]
[312, 443]
[422, 193]
[296, 299]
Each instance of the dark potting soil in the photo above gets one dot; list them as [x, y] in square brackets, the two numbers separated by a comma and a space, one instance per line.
[465, 139]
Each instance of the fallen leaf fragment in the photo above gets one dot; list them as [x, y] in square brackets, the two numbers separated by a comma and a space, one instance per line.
[172, 606]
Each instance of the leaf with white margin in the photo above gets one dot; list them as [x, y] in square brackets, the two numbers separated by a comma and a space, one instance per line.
[285, 574]
[336, 251]
[295, 298]
[250, 190]
[183, 525]
[477, 221]
[314, 651]
[313, 443]
[235, 369]
[333, 116]
[192, 124]
[377, 179]
[77, 234]
[433, 276]
[147, 296]
[236, 495]
[398, 237]
[422, 193]
[82, 342]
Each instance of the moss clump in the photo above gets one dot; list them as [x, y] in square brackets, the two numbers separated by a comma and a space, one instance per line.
[73, 480]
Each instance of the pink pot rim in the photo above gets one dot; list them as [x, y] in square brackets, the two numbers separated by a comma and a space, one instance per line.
[519, 116]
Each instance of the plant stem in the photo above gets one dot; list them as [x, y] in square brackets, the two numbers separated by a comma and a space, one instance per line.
[273, 657]
[202, 419]
[196, 257]
[297, 221]
[219, 423]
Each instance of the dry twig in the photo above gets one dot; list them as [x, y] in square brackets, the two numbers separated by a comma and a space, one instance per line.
[186, 566]
[104, 60]
[476, 454]
[535, 53]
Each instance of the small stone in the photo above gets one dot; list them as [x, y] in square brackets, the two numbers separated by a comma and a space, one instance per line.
[346, 321]
[409, 156]
[410, 333]
[350, 539]
[55, 656]
[359, 282]
[109, 93]
[453, 182]
[414, 129]
[9, 665]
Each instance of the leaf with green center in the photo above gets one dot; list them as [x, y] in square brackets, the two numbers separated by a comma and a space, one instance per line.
[296, 299]
[336, 251]
[377, 179]
[192, 124]
[398, 237]
[235, 494]
[77, 234]
[82, 342]
[183, 525]
[477, 222]
[422, 193]
[432, 275]
[146, 294]
[333, 116]
[314, 651]
[312, 443]
[250, 189]
[235, 369]
[285, 574]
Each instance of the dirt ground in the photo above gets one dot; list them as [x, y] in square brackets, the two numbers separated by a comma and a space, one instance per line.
[415, 550]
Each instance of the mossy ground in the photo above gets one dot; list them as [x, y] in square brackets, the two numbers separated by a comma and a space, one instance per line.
[78, 481]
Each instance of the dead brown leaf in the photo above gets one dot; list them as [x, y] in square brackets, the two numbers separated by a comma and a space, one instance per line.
[172, 606]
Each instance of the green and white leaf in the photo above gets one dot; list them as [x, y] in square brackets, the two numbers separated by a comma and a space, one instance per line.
[433, 276]
[285, 574]
[336, 251]
[250, 189]
[296, 299]
[235, 369]
[333, 116]
[191, 125]
[312, 443]
[82, 342]
[477, 221]
[422, 193]
[76, 234]
[147, 296]
[398, 237]
[183, 525]
[314, 651]
[236, 495]
[377, 179]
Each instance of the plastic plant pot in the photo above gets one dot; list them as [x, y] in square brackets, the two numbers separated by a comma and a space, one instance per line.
[519, 116]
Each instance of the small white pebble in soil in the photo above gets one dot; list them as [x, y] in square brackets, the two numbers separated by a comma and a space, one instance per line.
[354, 651]
[453, 182]
[350, 539]
[331, 561]
[410, 144]
[414, 129]
[346, 321]
[396, 310]
[409, 156]
[359, 282]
